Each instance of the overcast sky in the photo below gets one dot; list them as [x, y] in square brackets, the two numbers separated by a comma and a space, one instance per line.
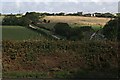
[86, 6]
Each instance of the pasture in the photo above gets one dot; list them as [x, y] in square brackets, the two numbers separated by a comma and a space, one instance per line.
[19, 33]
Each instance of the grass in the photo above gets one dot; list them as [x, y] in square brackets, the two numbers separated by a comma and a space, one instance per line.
[80, 74]
[97, 27]
[24, 75]
[19, 33]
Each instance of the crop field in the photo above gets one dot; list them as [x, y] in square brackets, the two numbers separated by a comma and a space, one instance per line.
[19, 33]
[93, 21]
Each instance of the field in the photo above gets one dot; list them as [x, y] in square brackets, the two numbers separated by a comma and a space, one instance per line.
[78, 20]
[19, 33]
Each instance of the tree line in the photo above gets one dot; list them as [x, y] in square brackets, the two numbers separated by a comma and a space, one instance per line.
[25, 20]
[106, 15]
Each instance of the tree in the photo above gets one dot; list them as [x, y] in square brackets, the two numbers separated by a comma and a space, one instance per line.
[87, 15]
[108, 15]
[60, 14]
[62, 29]
[86, 32]
[98, 14]
[79, 13]
[118, 14]
[112, 29]
[76, 33]
[33, 16]
[23, 21]
[10, 20]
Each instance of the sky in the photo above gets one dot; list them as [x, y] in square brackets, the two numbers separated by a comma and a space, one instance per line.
[59, 0]
[54, 6]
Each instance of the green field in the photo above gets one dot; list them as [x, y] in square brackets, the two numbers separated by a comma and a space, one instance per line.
[19, 33]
